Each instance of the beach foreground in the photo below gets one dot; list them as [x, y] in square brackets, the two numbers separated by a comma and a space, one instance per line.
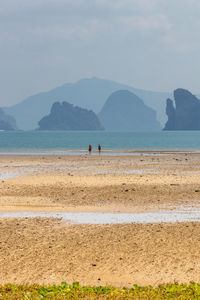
[42, 250]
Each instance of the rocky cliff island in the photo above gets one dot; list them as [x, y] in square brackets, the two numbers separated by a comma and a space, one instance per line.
[124, 111]
[185, 115]
[65, 116]
[7, 122]
[5, 126]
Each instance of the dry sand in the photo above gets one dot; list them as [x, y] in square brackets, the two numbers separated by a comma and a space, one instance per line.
[49, 251]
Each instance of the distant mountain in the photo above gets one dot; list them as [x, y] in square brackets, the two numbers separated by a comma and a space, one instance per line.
[88, 93]
[7, 120]
[124, 111]
[185, 115]
[5, 125]
[65, 116]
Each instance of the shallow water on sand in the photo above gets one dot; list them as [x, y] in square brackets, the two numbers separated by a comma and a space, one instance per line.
[85, 153]
[10, 174]
[183, 214]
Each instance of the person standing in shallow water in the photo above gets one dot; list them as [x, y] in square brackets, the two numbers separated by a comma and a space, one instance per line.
[90, 148]
[99, 148]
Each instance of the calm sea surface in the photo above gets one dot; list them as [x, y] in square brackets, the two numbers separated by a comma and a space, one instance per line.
[63, 142]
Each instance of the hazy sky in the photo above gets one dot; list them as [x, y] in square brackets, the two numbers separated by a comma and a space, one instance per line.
[150, 44]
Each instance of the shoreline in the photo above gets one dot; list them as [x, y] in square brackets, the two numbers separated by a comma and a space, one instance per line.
[105, 152]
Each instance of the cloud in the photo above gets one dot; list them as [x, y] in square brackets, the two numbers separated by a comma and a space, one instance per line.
[89, 20]
[129, 35]
[59, 32]
[150, 23]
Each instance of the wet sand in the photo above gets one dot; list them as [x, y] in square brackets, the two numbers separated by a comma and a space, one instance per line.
[50, 251]
[107, 184]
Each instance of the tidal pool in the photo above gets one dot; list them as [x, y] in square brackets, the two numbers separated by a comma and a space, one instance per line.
[9, 174]
[183, 214]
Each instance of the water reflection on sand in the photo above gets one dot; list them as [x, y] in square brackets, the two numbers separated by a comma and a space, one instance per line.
[182, 214]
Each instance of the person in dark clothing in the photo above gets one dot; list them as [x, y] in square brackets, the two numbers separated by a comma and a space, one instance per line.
[99, 148]
[90, 149]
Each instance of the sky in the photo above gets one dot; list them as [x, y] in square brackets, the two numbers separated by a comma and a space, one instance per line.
[149, 44]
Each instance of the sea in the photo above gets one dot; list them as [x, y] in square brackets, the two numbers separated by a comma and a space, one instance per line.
[76, 142]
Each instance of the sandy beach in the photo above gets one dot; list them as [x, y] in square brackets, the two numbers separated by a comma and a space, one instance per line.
[42, 250]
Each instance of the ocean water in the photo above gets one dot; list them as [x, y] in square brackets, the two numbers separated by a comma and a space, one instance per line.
[69, 142]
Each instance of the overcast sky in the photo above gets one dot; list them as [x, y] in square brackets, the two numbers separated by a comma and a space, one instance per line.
[150, 44]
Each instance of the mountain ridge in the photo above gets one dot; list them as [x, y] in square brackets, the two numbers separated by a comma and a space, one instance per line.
[89, 93]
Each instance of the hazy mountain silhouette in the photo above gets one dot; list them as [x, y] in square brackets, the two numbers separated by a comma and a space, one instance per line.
[65, 116]
[5, 125]
[124, 111]
[185, 115]
[7, 121]
[87, 93]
